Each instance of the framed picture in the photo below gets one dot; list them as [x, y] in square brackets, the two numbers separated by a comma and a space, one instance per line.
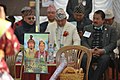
[36, 51]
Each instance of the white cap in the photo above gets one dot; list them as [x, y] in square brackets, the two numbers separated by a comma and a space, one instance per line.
[109, 14]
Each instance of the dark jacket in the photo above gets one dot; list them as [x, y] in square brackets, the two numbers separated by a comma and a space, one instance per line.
[25, 28]
[43, 27]
[71, 5]
[84, 22]
[109, 38]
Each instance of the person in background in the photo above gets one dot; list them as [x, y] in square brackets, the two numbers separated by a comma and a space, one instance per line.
[51, 10]
[72, 3]
[11, 19]
[109, 19]
[60, 4]
[62, 33]
[28, 25]
[30, 51]
[41, 53]
[101, 41]
[19, 23]
[80, 19]
[8, 44]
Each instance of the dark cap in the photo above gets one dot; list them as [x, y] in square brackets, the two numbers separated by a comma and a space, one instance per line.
[31, 40]
[79, 9]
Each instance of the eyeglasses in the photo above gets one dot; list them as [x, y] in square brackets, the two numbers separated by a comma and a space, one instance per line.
[30, 18]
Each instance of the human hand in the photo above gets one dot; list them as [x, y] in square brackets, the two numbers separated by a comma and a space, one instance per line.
[100, 51]
[93, 51]
[80, 33]
[2, 13]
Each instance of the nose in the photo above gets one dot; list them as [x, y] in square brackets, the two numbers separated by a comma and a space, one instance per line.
[60, 22]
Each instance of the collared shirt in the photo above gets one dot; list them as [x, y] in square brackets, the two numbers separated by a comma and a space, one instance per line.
[59, 36]
[99, 28]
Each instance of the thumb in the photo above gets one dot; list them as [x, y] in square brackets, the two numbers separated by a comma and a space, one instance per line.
[2, 13]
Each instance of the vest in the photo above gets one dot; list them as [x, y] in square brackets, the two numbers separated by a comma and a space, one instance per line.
[97, 38]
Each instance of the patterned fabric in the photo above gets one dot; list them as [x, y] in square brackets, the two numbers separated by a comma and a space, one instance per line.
[51, 8]
[60, 14]
[97, 38]
[9, 42]
[71, 5]
[59, 36]
[38, 54]
[8, 46]
[79, 9]
[30, 53]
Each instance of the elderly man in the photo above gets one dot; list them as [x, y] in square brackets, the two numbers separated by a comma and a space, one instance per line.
[109, 19]
[28, 25]
[51, 10]
[62, 33]
[19, 23]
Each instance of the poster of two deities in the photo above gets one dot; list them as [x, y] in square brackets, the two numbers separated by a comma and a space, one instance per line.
[35, 52]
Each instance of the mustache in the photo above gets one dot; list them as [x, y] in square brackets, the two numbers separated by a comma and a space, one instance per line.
[95, 22]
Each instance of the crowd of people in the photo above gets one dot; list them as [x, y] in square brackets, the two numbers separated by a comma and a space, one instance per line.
[100, 35]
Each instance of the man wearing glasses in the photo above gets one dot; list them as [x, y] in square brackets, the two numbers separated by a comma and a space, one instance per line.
[28, 25]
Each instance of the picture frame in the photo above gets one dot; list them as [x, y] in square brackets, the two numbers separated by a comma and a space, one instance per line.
[34, 60]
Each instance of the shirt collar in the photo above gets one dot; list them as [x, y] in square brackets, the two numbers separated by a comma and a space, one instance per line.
[99, 28]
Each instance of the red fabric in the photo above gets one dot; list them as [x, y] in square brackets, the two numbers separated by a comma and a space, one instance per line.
[28, 76]
[37, 53]
[3, 66]
[8, 45]
[9, 42]
[19, 23]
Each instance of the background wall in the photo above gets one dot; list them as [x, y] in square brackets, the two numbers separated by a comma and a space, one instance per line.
[14, 6]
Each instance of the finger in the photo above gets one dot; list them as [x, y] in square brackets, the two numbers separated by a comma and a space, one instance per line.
[2, 13]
